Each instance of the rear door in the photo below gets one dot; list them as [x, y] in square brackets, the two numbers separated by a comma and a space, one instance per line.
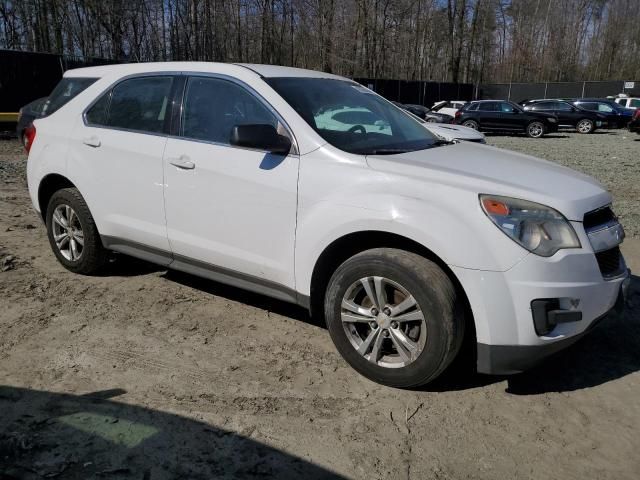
[116, 154]
[563, 111]
[566, 114]
[489, 115]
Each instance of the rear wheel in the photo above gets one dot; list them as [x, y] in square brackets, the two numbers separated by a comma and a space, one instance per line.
[393, 316]
[535, 129]
[73, 234]
[585, 126]
[471, 124]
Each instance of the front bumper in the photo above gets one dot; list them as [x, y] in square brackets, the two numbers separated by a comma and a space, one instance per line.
[510, 359]
[501, 305]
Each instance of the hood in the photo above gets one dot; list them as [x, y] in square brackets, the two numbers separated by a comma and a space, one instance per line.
[454, 132]
[490, 170]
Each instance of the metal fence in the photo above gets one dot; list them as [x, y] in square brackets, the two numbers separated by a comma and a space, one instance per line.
[418, 92]
[25, 76]
[519, 92]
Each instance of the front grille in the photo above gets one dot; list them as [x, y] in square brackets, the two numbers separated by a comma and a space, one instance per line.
[610, 262]
[598, 217]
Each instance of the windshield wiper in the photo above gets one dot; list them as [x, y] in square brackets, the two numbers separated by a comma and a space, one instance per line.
[396, 151]
[387, 151]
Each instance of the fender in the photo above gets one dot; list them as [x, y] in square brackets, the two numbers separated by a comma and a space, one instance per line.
[398, 205]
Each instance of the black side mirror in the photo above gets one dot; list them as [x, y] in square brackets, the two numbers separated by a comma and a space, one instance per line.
[261, 137]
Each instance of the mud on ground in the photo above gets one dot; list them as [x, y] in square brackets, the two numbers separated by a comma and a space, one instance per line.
[148, 374]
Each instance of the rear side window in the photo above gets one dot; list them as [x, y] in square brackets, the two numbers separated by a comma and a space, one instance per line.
[97, 114]
[212, 107]
[67, 89]
[562, 106]
[140, 104]
[489, 107]
[603, 107]
[543, 106]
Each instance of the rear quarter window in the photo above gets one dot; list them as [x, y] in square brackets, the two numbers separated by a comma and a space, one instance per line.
[67, 89]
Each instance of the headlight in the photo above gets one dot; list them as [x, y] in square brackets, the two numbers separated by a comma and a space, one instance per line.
[538, 228]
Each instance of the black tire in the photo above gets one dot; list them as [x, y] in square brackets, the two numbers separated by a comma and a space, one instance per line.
[432, 120]
[471, 124]
[585, 126]
[535, 129]
[93, 255]
[436, 297]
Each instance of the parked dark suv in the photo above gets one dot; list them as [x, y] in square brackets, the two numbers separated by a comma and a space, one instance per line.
[617, 116]
[500, 115]
[27, 115]
[584, 121]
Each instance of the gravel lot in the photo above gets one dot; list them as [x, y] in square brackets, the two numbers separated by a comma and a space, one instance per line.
[148, 374]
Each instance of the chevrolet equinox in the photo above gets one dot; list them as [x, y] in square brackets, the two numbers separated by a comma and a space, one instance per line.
[310, 188]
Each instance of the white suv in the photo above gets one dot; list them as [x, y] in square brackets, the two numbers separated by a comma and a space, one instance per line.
[405, 243]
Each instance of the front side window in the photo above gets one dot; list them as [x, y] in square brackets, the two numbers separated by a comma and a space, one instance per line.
[138, 104]
[603, 107]
[351, 117]
[213, 106]
[507, 108]
[634, 103]
[67, 89]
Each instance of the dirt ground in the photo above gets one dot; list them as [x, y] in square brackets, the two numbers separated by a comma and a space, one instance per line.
[148, 374]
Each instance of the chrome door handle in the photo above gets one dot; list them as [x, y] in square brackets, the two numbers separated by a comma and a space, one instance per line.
[92, 141]
[182, 162]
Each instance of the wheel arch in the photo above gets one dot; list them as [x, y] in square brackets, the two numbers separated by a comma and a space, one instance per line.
[49, 185]
[343, 248]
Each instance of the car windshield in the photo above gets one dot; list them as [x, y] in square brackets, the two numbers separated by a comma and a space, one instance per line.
[352, 117]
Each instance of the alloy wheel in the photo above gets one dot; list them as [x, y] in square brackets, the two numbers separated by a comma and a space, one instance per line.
[383, 322]
[584, 126]
[67, 232]
[536, 130]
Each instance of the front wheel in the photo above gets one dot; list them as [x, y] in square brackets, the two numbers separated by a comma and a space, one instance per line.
[535, 129]
[394, 317]
[585, 126]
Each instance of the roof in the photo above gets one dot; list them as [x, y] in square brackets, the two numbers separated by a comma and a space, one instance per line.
[279, 71]
[206, 67]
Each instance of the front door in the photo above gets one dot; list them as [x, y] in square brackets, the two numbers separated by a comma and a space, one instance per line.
[229, 210]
